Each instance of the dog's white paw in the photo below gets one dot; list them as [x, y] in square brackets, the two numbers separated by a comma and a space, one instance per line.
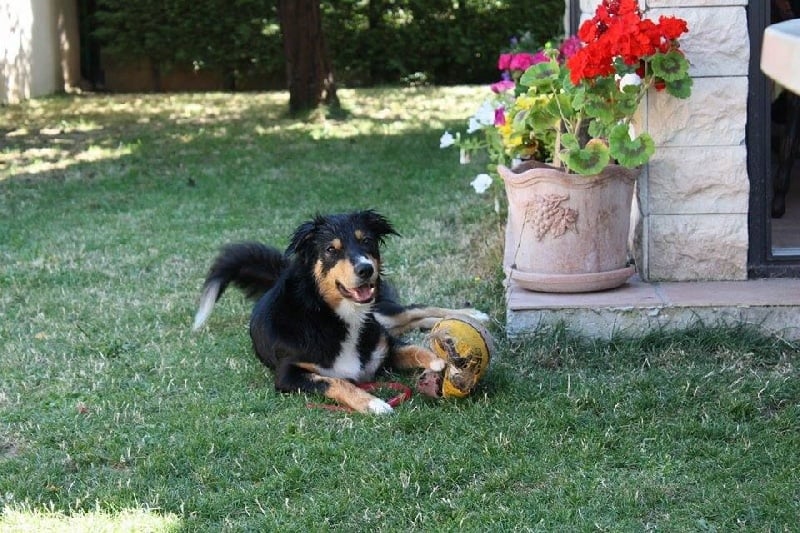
[474, 314]
[437, 364]
[379, 407]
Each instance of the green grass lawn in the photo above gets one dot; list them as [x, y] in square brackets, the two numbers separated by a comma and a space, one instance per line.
[115, 417]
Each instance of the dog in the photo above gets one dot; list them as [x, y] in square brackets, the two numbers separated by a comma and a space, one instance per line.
[324, 318]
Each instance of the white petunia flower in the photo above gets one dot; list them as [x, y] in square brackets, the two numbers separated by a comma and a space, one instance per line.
[481, 183]
[629, 80]
[446, 140]
[483, 117]
[486, 113]
[474, 125]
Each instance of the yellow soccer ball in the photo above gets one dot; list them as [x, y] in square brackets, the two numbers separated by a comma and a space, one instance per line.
[467, 347]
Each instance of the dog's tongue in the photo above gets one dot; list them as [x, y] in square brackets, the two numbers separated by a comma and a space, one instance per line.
[362, 294]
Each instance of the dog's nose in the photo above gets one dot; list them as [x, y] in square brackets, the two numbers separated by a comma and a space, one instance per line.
[364, 269]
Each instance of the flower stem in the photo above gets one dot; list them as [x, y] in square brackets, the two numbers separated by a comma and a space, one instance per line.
[557, 151]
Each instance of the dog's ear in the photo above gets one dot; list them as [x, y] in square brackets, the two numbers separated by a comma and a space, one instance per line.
[303, 236]
[378, 224]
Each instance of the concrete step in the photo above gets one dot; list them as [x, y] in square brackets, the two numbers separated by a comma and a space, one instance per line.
[638, 307]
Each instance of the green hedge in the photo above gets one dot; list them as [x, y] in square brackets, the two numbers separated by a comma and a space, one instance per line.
[371, 42]
[239, 38]
[433, 38]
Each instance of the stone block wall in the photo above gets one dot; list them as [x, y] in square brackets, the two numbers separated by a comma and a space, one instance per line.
[694, 193]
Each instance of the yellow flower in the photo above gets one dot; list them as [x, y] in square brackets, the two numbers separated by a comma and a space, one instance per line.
[524, 102]
[510, 138]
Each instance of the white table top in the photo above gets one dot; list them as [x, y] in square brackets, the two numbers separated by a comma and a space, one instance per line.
[780, 53]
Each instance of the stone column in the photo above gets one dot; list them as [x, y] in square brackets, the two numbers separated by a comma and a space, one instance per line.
[696, 189]
[694, 193]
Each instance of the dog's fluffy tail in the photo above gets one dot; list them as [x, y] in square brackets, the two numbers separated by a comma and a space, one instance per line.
[251, 266]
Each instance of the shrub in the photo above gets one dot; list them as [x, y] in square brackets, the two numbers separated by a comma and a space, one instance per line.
[238, 38]
[373, 42]
[384, 41]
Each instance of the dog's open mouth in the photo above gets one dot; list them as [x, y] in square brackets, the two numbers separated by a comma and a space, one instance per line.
[362, 294]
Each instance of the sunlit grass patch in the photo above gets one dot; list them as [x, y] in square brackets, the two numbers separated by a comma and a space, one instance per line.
[55, 133]
[22, 519]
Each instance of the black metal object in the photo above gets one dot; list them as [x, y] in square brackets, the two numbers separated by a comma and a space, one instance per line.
[574, 16]
[762, 262]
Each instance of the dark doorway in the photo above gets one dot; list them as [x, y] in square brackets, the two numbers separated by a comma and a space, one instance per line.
[773, 139]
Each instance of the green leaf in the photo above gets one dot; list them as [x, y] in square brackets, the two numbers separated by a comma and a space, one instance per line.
[604, 86]
[541, 74]
[578, 98]
[538, 120]
[671, 66]
[598, 130]
[630, 152]
[589, 160]
[570, 141]
[599, 108]
[626, 103]
[681, 88]
[518, 122]
[560, 106]
[621, 67]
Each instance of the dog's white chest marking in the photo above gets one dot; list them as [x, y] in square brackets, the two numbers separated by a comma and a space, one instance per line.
[349, 365]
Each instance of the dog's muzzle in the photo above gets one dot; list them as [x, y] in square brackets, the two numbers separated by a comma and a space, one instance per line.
[362, 294]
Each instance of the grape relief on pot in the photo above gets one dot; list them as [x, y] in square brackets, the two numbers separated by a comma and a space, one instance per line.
[546, 215]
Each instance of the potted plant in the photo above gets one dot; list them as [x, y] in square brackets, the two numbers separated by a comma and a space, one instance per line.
[566, 125]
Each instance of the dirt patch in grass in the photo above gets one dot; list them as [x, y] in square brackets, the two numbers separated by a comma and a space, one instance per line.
[9, 449]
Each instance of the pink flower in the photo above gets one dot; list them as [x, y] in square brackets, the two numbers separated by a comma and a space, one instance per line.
[540, 57]
[502, 86]
[521, 61]
[504, 61]
[500, 116]
[569, 47]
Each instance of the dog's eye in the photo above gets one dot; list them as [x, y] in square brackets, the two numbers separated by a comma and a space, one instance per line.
[366, 241]
[331, 250]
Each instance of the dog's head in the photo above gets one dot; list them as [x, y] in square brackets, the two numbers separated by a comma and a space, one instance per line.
[343, 252]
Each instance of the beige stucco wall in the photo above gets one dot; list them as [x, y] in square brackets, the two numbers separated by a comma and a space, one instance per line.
[39, 51]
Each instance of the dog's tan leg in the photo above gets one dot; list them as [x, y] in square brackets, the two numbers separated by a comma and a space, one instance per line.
[410, 356]
[347, 394]
[471, 312]
[425, 318]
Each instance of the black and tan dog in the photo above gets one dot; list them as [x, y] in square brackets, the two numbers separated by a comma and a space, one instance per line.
[324, 318]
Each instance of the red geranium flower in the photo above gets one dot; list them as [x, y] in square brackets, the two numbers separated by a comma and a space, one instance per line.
[672, 27]
[616, 57]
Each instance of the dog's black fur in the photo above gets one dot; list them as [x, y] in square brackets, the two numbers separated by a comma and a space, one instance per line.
[325, 318]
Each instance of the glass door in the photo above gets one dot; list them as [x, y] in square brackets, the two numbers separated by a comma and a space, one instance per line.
[773, 142]
[785, 168]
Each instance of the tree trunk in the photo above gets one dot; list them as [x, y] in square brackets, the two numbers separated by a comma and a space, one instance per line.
[309, 72]
[229, 79]
[155, 76]
[374, 26]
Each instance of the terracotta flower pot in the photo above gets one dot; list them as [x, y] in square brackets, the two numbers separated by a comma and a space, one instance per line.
[567, 232]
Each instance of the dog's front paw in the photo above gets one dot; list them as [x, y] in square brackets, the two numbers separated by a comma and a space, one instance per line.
[377, 406]
[437, 365]
[475, 314]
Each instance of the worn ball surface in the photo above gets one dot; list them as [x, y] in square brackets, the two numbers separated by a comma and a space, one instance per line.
[467, 347]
